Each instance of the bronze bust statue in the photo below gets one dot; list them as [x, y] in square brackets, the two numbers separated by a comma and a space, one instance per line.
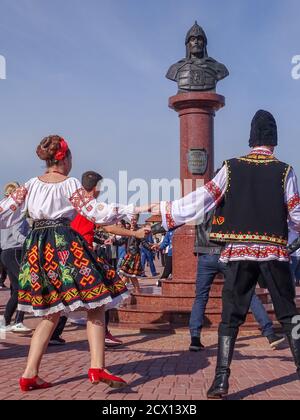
[197, 72]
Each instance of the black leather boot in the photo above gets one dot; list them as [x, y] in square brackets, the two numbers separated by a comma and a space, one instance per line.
[295, 349]
[220, 386]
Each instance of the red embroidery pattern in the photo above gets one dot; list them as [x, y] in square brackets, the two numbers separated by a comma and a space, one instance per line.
[63, 256]
[71, 295]
[169, 218]
[261, 151]
[51, 266]
[33, 257]
[214, 190]
[82, 263]
[293, 202]
[19, 195]
[110, 274]
[255, 253]
[80, 199]
[218, 220]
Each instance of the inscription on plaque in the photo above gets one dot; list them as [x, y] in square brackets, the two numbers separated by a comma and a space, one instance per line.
[197, 161]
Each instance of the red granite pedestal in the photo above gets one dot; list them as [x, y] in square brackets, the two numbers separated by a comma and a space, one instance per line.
[196, 112]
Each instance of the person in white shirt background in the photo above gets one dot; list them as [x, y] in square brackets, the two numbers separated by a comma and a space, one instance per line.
[11, 242]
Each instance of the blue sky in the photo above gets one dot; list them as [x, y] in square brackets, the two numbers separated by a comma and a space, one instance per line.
[94, 72]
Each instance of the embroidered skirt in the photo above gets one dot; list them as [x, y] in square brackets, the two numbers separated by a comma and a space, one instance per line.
[60, 273]
[131, 265]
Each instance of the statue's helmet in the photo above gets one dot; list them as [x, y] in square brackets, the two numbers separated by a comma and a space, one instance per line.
[196, 31]
[263, 130]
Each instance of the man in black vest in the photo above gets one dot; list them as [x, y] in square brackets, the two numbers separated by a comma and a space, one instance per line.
[261, 194]
[255, 195]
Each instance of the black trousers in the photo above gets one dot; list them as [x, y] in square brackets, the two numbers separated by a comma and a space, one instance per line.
[11, 259]
[62, 323]
[106, 321]
[239, 287]
[60, 327]
[3, 273]
[168, 267]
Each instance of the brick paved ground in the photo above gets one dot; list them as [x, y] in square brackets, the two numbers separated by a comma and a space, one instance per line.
[157, 366]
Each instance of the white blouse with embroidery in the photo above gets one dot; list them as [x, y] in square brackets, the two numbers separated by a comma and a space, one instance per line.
[193, 207]
[42, 200]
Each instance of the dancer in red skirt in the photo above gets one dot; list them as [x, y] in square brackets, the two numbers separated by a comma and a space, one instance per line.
[131, 266]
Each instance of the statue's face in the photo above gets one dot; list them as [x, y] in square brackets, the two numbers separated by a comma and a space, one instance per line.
[196, 45]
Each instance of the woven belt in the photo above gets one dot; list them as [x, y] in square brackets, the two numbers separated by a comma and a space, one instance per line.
[50, 223]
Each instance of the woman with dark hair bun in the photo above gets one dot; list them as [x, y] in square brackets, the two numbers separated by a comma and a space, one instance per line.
[59, 273]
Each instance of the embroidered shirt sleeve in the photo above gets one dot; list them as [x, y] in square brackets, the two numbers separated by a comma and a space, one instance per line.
[193, 207]
[171, 224]
[293, 202]
[99, 213]
[292, 199]
[214, 190]
[81, 199]
[13, 208]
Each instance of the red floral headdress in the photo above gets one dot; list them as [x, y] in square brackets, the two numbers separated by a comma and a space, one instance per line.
[63, 150]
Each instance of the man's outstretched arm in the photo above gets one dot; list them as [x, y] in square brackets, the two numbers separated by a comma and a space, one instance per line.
[193, 207]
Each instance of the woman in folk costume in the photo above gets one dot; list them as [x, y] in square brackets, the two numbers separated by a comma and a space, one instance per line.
[131, 266]
[59, 272]
[256, 195]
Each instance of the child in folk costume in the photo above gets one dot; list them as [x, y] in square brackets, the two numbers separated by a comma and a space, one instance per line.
[131, 266]
[59, 271]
